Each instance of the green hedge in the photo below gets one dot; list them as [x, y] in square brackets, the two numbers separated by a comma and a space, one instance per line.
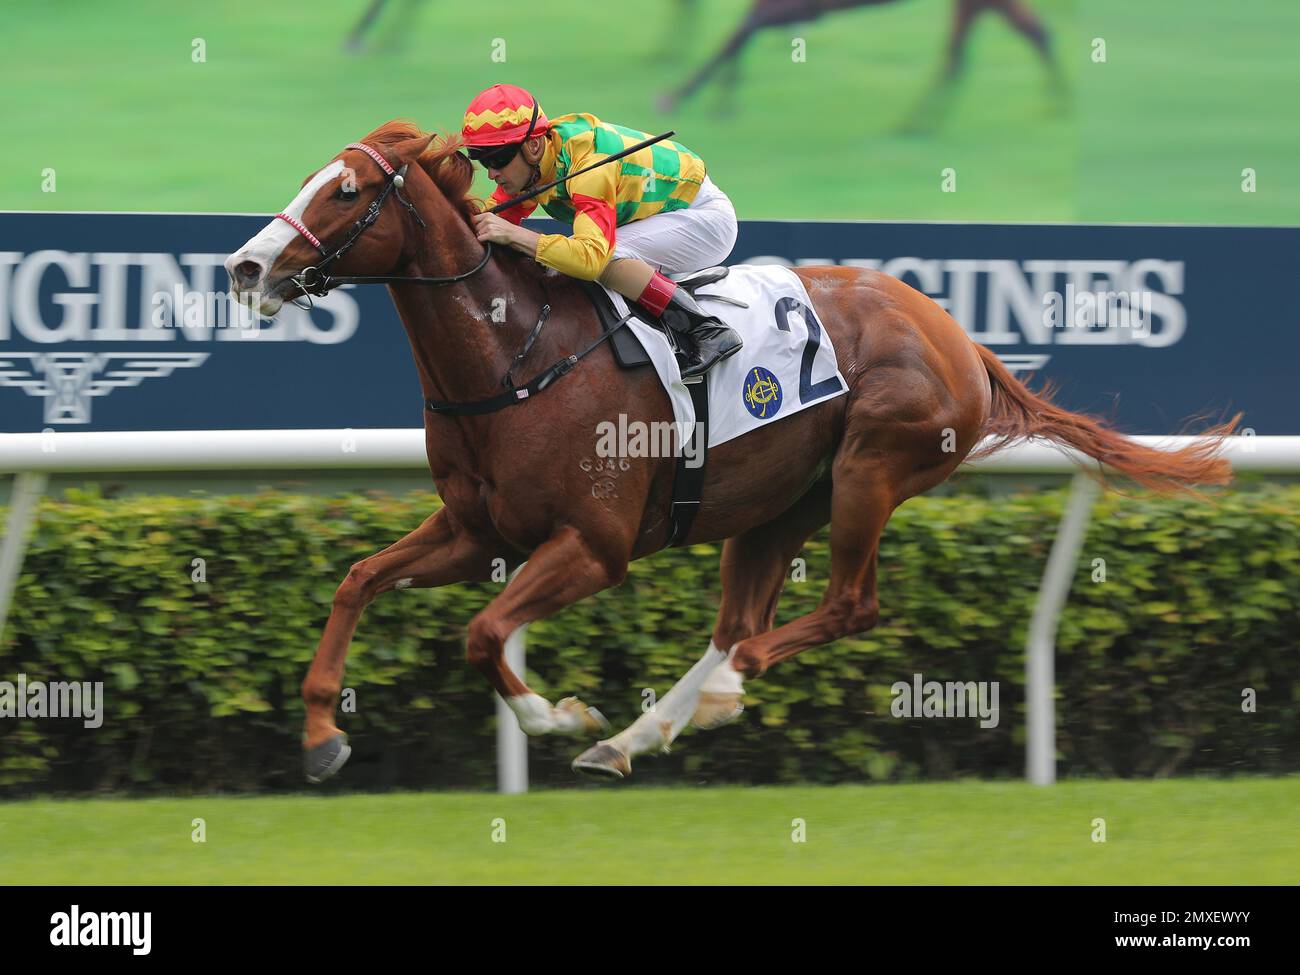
[1200, 601]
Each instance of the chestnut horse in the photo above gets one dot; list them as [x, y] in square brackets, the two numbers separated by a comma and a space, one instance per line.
[515, 484]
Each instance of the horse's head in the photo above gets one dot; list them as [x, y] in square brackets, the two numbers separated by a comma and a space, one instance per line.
[341, 221]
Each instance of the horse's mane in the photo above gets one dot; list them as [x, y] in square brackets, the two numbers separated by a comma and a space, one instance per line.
[449, 168]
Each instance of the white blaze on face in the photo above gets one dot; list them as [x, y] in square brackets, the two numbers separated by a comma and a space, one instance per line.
[265, 248]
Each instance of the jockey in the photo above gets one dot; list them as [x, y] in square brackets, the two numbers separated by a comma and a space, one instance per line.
[668, 214]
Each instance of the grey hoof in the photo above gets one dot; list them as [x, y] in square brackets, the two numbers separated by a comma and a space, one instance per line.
[322, 761]
[603, 761]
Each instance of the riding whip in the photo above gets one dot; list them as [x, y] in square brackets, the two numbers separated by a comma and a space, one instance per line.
[513, 201]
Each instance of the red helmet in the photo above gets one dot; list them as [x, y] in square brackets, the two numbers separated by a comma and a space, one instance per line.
[502, 115]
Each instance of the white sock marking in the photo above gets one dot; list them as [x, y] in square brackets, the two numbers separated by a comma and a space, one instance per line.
[659, 728]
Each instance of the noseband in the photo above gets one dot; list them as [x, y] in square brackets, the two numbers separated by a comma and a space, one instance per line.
[315, 281]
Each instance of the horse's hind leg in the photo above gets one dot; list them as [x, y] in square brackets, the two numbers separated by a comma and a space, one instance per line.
[849, 604]
[754, 568]
[881, 462]
[437, 553]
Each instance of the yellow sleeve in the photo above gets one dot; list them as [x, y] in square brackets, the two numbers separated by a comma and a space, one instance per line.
[585, 254]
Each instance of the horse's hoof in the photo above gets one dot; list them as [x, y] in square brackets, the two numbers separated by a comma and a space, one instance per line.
[323, 760]
[603, 761]
[715, 710]
[589, 720]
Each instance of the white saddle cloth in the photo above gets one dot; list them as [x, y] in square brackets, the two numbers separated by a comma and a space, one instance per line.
[787, 364]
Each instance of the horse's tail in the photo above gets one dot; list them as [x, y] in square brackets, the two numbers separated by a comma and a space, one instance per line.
[1018, 414]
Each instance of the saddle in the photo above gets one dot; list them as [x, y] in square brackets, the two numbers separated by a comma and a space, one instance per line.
[629, 353]
[628, 350]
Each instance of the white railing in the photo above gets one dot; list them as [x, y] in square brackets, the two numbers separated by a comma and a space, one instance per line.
[195, 450]
[34, 456]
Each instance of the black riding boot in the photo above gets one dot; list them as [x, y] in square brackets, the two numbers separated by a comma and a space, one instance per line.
[713, 338]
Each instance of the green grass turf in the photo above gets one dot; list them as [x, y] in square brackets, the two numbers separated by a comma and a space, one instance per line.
[1187, 831]
[107, 95]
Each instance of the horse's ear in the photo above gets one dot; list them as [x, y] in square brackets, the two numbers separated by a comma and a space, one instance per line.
[409, 150]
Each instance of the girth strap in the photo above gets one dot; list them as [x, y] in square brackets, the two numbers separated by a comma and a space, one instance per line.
[688, 482]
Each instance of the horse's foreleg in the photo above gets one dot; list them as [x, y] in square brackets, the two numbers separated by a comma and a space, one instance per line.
[930, 108]
[964, 13]
[563, 570]
[754, 569]
[755, 20]
[680, 25]
[1026, 22]
[437, 553]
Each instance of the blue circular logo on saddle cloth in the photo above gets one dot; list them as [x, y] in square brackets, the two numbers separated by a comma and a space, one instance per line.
[762, 394]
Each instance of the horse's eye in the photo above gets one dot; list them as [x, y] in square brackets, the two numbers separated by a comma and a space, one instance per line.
[345, 195]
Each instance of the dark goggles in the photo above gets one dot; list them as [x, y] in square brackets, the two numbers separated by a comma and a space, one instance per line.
[498, 157]
[494, 157]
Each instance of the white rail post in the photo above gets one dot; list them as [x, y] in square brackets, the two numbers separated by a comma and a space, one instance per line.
[512, 743]
[24, 500]
[1040, 649]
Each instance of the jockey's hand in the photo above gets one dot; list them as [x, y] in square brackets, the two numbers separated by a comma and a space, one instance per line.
[489, 226]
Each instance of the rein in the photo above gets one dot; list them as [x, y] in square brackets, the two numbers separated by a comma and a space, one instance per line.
[314, 281]
[515, 395]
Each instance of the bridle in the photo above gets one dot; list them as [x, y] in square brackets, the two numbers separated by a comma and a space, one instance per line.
[315, 281]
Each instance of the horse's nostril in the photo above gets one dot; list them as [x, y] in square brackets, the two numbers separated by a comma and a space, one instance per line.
[248, 272]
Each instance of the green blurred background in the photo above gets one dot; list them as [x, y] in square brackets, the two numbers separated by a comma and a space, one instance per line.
[1191, 93]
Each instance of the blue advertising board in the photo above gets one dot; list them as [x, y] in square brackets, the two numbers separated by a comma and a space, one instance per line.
[1202, 320]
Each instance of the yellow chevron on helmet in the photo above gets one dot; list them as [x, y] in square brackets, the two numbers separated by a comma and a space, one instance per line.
[500, 115]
